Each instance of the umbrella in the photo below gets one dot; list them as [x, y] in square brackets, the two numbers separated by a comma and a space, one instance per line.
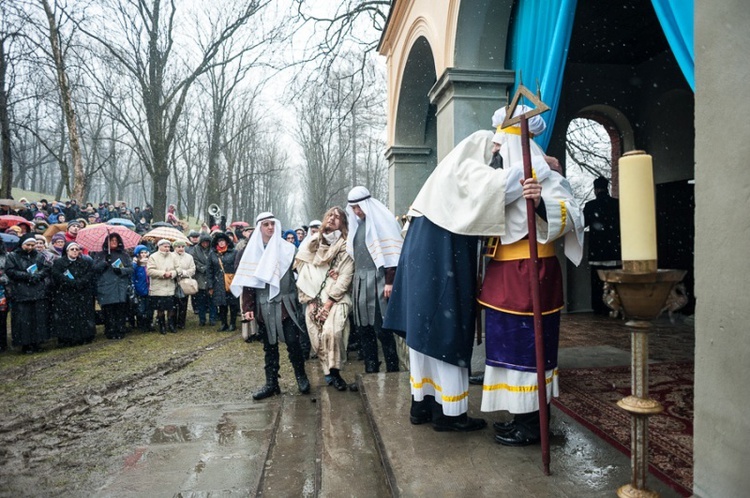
[242, 224]
[169, 233]
[10, 241]
[121, 221]
[162, 224]
[9, 220]
[53, 229]
[12, 204]
[93, 237]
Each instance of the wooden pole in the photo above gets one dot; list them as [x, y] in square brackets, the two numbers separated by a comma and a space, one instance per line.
[536, 302]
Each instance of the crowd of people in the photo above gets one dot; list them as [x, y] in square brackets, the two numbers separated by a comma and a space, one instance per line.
[350, 278]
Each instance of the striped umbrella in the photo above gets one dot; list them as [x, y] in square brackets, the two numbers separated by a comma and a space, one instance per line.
[171, 234]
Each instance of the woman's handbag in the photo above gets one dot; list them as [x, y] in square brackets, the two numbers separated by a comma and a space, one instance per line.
[228, 277]
[188, 285]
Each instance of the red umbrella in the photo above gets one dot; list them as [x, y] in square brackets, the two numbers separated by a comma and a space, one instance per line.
[9, 220]
[93, 237]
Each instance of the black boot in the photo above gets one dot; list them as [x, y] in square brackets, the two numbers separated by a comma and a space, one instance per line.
[523, 431]
[390, 353]
[223, 317]
[162, 324]
[298, 363]
[460, 423]
[336, 380]
[233, 323]
[272, 372]
[372, 366]
[423, 411]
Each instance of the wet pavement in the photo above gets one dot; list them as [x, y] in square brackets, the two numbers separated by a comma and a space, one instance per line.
[191, 429]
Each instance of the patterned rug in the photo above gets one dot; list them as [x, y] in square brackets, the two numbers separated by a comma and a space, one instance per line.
[589, 395]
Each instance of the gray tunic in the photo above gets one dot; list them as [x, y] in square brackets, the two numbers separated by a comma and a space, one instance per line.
[368, 284]
[271, 311]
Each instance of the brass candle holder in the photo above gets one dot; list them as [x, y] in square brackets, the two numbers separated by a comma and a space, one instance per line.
[642, 290]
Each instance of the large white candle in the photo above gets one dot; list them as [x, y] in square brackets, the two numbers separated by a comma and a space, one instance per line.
[637, 210]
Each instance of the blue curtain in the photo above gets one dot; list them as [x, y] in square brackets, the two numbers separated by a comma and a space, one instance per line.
[540, 36]
[676, 19]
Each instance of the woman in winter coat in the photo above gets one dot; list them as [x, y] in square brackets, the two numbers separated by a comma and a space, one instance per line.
[113, 269]
[185, 269]
[202, 301]
[220, 263]
[3, 299]
[28, 277]
[162, 270]
[73, 320]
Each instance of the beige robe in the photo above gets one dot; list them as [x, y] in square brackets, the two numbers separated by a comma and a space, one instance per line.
[313, 263]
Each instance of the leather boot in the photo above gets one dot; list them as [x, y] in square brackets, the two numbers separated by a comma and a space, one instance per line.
[298, 363]
[460, 423]
[171, 324]
[272, 372]
[223, 317]
[390, 353]
[421, 411]
[233, 323]
[337, 381]
[162, 324]
[524, 431]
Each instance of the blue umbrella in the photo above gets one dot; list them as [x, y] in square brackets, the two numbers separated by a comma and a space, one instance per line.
[10, 240]
[121, 221]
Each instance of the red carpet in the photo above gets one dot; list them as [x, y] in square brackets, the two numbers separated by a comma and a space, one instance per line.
[589, 395]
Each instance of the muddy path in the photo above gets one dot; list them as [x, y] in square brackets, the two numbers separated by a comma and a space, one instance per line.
[67, 416]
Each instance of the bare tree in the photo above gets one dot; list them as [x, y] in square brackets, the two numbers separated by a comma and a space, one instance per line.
[142, 47]
[80, 179]
[11, 26]
[588, 150]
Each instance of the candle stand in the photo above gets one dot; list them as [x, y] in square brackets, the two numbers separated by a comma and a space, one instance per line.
[642, 291]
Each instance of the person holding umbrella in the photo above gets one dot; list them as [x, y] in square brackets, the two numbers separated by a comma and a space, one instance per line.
[28, 277]
[113, 268]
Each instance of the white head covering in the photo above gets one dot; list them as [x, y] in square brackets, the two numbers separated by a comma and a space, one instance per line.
[463, 194]
[263, 265]
[382, 231]
[536, 123]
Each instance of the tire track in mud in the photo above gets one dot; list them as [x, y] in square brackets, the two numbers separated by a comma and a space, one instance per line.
[83, 400]
[117, 411]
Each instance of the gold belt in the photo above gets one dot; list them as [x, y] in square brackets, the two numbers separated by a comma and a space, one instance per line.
[520, 250]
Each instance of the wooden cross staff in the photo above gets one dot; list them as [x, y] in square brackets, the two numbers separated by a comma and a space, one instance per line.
[540, 107]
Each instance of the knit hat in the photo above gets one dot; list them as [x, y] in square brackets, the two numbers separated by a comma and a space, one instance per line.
[162, 242]
[25, 237]
[139, 249]
[58, 236]
[179, 243]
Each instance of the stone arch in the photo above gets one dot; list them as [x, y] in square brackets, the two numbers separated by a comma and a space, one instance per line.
[414, 153]
[481, 34]
[620, 133]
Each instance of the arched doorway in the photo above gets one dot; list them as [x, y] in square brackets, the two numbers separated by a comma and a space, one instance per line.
[414, 154]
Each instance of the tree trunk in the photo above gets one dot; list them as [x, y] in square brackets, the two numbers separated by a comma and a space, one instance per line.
[7, 179]
[159, 193]
[79, 175]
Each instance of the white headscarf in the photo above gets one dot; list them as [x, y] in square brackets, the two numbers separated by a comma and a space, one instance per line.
[263, 265]
[463, 194]
[382, 231]
[510, 140]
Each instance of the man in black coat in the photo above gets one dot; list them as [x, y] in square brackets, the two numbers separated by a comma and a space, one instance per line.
[602, 216]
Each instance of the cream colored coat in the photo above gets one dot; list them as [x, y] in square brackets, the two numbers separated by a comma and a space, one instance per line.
[158, 264]
[185, 265]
